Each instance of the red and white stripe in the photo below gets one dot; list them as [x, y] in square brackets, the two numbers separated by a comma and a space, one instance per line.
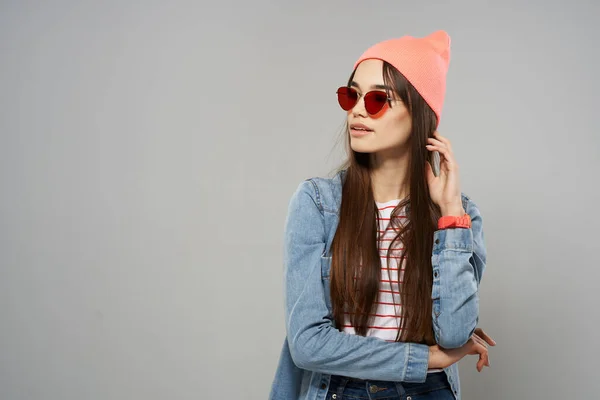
[385, 321]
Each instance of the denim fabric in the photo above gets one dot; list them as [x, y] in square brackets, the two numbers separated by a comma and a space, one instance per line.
[314, 349]
[436, 387]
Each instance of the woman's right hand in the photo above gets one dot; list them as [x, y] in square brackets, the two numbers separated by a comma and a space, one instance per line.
[443, 358]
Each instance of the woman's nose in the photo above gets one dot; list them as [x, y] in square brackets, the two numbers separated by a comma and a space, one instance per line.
[359, 108]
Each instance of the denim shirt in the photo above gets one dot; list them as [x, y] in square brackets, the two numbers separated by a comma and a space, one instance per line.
[314, 349]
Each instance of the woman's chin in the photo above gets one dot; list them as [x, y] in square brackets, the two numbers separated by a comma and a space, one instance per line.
[361, 147]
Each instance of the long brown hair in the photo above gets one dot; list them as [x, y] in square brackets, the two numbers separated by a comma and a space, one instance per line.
[354, 249]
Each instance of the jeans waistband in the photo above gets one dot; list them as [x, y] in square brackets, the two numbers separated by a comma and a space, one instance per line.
[434, 381]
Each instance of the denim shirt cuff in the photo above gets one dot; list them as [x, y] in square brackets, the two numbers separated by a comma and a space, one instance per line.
[460, 239]
[418, 362]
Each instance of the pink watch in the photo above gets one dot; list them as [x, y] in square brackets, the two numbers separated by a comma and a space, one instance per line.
[452, 221]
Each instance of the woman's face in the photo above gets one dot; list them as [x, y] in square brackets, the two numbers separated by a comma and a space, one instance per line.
[388, 129]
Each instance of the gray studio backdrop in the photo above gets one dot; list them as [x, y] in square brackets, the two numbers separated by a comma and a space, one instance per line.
[148, 151]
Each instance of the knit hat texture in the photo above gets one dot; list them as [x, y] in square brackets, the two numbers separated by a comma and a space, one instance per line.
[423, 62]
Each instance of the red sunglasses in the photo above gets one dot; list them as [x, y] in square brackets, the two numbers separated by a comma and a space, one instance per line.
[375, 100]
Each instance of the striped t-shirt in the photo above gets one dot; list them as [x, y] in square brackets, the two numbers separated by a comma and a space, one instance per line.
[386, 319]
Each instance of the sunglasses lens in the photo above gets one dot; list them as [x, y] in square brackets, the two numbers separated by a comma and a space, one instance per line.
[347, 97]
[375, 101]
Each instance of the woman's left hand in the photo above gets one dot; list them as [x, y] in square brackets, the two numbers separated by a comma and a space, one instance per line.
[445, 188]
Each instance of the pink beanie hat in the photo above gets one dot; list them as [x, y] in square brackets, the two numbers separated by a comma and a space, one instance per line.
[422, 61]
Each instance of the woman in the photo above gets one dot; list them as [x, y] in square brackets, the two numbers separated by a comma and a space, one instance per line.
[383, 261]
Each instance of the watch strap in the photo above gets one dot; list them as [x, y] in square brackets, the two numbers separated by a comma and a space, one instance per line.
[453, 221]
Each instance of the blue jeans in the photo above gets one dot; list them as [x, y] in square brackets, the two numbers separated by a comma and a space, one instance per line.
[436, 387]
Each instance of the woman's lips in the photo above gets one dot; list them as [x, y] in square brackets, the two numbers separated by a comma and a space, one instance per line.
[359, 132]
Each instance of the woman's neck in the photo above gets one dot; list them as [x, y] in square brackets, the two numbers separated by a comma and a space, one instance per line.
[389, 179]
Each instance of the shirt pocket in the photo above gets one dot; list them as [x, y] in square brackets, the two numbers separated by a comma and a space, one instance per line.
[326, 279]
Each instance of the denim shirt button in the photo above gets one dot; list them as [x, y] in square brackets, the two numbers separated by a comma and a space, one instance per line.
[437, 241]
[323, 386]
